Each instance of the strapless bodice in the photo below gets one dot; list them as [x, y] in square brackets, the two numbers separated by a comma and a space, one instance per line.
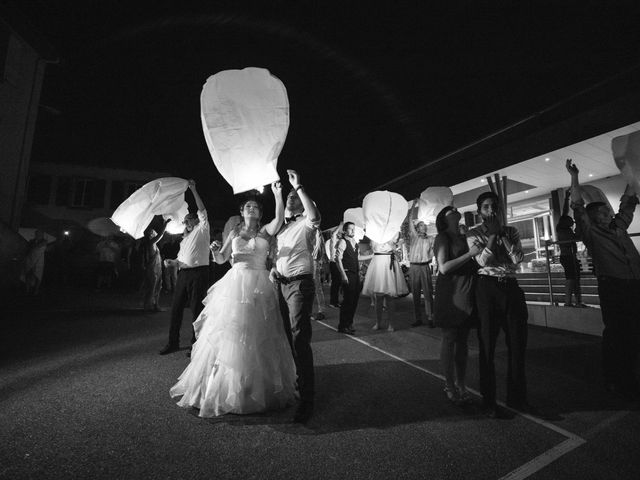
[250, 253]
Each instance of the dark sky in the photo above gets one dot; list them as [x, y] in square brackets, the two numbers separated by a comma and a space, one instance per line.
[376, 89]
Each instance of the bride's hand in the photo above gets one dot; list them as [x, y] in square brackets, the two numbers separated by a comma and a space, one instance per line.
[215, 246]
[276, 187]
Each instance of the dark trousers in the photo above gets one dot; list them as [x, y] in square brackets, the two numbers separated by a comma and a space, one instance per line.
[191, 288]
[501, 305]
[296, 301]
[351, 293]
[620, 304]
[336, 283]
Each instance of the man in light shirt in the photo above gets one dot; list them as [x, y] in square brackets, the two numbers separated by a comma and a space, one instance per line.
[193, 272]
[501, 305]
[293, 273]
[420, 257]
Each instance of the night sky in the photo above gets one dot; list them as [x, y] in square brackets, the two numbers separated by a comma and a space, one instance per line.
[376, 89]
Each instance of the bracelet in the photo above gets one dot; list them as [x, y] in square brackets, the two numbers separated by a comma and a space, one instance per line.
[299, 187]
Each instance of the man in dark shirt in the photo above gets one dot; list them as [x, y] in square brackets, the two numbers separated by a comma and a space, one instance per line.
[617, 267]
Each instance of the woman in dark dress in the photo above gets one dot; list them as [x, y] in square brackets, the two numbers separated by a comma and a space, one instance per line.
[454, 301]
[568, 256]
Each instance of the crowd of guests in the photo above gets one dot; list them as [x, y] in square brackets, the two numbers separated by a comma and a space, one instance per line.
[461, 281]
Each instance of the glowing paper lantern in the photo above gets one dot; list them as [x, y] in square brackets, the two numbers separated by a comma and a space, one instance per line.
[432, 200]
[383, 213]
[626, 153]
[355, 216]
[245, 118]
[164, 196]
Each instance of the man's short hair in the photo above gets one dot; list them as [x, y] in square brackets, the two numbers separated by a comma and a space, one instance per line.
[484, 196]
[191, 216]
[346, 225]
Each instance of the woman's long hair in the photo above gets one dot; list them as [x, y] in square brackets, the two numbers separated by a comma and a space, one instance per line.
[441, 220]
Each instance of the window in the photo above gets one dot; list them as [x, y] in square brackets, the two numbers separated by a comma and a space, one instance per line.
[88, 193]
[39, 189]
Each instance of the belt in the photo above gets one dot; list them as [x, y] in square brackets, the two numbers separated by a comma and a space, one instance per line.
[302, 276]
[503, 280]
[419, 263]
[193, 268]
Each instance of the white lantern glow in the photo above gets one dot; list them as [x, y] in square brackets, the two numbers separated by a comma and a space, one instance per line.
[245, 118]
[383, 213]
[164, 196]
[432, 200]
[592, 194]
[626, 153]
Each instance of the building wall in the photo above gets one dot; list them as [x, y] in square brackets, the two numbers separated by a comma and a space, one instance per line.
[20, 86]
[62, 196]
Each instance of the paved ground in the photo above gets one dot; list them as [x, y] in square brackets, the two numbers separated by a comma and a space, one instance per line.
[83, 394]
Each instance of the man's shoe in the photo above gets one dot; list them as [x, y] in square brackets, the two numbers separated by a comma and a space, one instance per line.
[303, 413]
[168, 348]
[347, 330]
[417, 323]
[320, 316]
[497, 412]
[524, 407]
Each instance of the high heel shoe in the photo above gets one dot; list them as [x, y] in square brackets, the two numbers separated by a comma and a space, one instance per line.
[452, 394]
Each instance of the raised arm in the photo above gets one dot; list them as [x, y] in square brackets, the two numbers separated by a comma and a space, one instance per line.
[309, 207]
[576, 190]
[565, 205]
[192, 187]
[413, 215]
[274, 225]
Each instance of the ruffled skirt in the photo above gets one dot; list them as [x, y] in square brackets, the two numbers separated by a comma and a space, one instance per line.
[241, 361]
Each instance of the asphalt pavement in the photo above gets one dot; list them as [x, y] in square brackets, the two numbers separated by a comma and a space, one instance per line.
[84, 394]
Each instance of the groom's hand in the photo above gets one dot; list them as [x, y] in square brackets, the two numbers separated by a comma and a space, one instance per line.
[274, 276]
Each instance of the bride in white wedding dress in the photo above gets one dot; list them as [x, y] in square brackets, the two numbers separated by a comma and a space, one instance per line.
[241, 362]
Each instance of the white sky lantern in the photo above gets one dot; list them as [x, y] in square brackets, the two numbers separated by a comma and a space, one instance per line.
[245, 118]
[626, 153]
[432, 200]
[164, 196]
[383, 213]
[592, 194]
[356, 216]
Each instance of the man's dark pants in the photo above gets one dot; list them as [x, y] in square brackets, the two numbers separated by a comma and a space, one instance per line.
[191, 288]
[620, 304]
[501, 305]
[336, 283]
[351, 293]
[296, 302]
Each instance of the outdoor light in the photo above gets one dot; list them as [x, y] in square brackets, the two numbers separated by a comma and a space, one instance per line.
[245, 119]
[591, 174]
[66, 233]
[547, 159]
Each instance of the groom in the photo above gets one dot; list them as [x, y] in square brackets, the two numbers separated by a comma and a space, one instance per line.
[293, 273]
